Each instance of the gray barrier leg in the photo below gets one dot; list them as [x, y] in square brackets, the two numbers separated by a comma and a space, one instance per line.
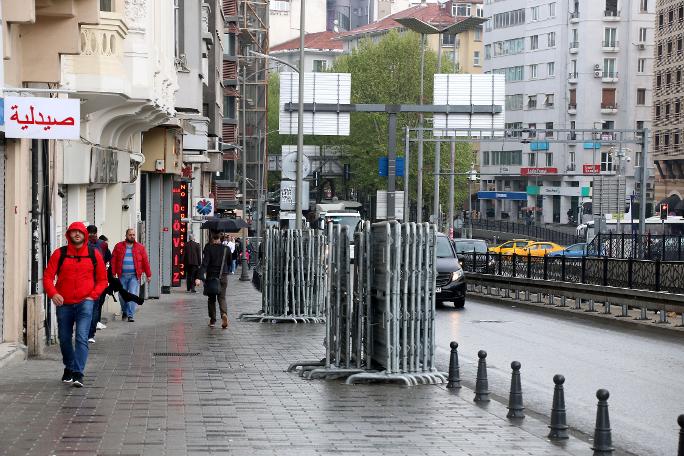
[643, 315]
[563, 303]
[624, 311]
[592, 306]
[606, 308]
[663, 318]
[578, 303]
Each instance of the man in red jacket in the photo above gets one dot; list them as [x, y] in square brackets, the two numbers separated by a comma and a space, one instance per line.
[81, 279]
[129, 262]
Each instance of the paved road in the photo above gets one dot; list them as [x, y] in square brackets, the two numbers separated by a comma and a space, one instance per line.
[643, 372]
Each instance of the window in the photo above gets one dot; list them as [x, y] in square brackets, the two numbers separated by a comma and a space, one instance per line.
[448, 40]
[609, 37]
[572, 104]
[535, 13]
[534, 42]
[668, 78]
[641, 97]
[319, 66]
[512, 74]
[531, 102]
[509, 47]
[670, 16]
[669, 48]
[667, 110]
[532, 159]
[488, 51]
[641, 65]
[478, 34]
[533, 127]
[551, 37]
[677, 107]
[533, 71]
[551, 69]
[661, 20]
[485, 158]
[549, 159]
[229, 107]
[552, 10]
[608, 99]
[574, 41]
[609, 68]
[679, 45]
[657, 110]
[679, 76]
[548, 101]
[659, 79]
[642, 34]
[611, 8]
[463, 9]
[107, 6]
[643, 6]
[282, 6]
[476, 58]
[549, 129]
[606, 161]
[681, 14]
[514, 102]
[660, 50]
[479, 10]
[514, 126]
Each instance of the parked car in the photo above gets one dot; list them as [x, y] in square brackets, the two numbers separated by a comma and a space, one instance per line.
[572, 251]
[539, 249]
[507, 248]
[464, 251]
[451, 284]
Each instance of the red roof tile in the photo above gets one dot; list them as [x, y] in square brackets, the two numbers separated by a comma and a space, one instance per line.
[322, 41]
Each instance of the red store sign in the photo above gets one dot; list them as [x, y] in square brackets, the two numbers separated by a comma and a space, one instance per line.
[537, 171]
[179, 231]
[591, 169]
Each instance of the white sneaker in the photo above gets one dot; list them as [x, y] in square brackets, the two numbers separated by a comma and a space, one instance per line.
[91, 340]
[101, 326]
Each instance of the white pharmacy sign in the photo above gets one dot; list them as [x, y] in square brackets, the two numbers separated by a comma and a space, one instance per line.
[287, 195]
[42, 118]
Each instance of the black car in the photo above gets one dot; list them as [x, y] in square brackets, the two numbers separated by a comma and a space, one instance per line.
[464, 250]
[451, 284]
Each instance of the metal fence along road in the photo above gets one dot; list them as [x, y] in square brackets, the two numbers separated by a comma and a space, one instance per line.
[527, 231]
[648, 246]
[381, 325]
[293, 276]
[651, 275]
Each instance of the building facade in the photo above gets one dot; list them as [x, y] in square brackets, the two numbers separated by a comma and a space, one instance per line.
[668, 90]
[567, 66]
[320, 51]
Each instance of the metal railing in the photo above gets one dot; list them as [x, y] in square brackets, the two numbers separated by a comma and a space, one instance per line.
[629, 273]
[648, 246]
[528, 231]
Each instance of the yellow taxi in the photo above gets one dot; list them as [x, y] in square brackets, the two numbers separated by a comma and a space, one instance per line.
[507, 248]
[539, 249]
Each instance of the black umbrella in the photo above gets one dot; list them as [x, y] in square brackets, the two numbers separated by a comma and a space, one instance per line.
[225, 225]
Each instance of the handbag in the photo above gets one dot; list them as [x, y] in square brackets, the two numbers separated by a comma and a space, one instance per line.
[212, 286]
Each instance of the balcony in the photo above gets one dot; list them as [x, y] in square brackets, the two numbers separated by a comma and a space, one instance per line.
[574, 17]
[611, 15]
[610, 76]
[572, 77]
[610, 46]
[574, 47]
[609, 108]
[572, 108]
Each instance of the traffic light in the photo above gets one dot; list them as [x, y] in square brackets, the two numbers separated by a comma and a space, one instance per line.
[346, 172]
[664, 209]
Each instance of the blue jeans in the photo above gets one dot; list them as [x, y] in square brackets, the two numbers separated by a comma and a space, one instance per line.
[80, 314]
[131, 284]
[233, 266]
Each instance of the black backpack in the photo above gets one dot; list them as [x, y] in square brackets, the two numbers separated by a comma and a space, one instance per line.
[91, 254]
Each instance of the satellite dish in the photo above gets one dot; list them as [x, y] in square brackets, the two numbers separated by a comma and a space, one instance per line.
[289, 166]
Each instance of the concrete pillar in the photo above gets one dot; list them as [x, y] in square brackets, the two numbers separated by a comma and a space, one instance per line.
[564, 207]
[547, 209]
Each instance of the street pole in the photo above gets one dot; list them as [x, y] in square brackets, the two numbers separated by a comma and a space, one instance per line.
[407, 150]
[452, 163]
[438, 147]
[419, 179]
[244, 274]
[300, 123]
[644, 181]
[391, 165]
[259, 187]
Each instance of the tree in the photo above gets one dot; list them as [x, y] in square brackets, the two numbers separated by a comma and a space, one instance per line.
[386, 72]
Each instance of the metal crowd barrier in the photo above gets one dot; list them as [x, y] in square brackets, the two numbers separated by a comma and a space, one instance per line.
[294, 277]
[381, 325]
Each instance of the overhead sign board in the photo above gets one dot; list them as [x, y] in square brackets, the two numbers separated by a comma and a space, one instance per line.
[289, 166]
[537, 171]
[516, 196]
[470, 90]
[383, 166]
[203, 207]
[287, 195]
[320, 88]
[42, 118]
[381, 205]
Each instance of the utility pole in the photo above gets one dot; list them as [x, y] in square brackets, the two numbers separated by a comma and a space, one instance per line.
[438, 148]
[244, 274]
[419, 179]
[452, 162]
[407, 149]
[300, 123]
[644, 181]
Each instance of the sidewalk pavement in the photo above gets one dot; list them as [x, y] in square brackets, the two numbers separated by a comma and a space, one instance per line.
[234, 397]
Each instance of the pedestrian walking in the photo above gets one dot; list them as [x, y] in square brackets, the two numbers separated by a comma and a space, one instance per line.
[236, 255]
[129, 263]
[81, 279]
[101, 245]
[214, 273]
[192, 259]
[231, 246]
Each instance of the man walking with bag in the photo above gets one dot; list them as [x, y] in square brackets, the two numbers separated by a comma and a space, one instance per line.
[101, 245]
[129, 262]
[214, 272]
[192, 259]
[81, 280]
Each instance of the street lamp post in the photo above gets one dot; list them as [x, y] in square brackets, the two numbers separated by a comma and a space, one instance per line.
[244, 274]
[300, 122]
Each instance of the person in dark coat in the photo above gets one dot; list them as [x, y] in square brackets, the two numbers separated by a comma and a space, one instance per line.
[216, 264]
[192, 259]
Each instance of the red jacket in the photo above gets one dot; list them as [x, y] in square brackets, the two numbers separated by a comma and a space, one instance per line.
[140, 260]
[75, 281]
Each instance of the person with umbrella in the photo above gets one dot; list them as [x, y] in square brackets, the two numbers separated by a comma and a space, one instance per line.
[214, 272]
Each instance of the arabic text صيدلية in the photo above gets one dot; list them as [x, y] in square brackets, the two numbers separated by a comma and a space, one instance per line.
[69, 121]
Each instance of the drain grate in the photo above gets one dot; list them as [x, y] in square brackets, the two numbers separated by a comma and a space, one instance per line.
[488, 321]
[176, 354]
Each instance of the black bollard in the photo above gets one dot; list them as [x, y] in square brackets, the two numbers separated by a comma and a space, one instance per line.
[454, 370]
[603, 442]
[481, 383]
[680, 420]
[559, 426]
[515, 397]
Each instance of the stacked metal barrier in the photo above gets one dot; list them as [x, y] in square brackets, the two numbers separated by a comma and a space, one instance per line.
[293, 276]
[383, 329]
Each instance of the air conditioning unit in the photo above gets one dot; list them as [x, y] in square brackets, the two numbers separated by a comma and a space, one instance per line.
[597, 67]
[641, 46]
[598, 74]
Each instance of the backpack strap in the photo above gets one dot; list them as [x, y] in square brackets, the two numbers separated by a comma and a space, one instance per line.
[91, 254]
[93, 259]
[62, 257]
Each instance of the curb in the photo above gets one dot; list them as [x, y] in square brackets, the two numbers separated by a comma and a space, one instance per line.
[12, 354]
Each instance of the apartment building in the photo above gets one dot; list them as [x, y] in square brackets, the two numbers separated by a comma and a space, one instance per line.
[568, 65]
[668, 91]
